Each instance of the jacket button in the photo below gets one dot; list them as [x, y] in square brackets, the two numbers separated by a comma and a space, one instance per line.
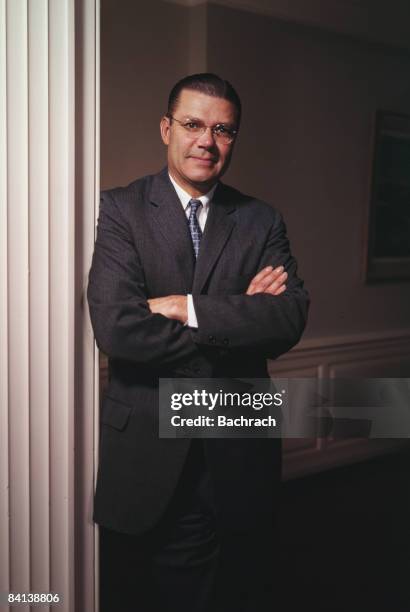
[212, 339]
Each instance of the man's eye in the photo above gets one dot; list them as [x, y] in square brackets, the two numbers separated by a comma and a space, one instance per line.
[222, 129]
[191, 125]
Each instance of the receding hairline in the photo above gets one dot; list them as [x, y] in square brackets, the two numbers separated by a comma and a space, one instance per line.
[209, 84]
[203, 93]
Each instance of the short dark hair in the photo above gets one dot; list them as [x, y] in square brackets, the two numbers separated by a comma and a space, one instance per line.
[209, 84]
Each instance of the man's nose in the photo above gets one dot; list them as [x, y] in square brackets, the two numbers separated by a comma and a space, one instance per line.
[207, 138]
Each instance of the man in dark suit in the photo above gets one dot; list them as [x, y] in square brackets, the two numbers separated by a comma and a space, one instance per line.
[190, 278]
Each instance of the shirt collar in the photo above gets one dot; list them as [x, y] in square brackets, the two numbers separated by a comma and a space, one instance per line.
[185, 197]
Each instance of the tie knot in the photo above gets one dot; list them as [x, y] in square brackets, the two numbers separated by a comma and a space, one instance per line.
[195, 204]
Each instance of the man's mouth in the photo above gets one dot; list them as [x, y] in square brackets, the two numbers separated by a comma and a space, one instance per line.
[204, 160]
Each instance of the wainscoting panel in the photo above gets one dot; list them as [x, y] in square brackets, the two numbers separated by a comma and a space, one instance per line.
[372, 355]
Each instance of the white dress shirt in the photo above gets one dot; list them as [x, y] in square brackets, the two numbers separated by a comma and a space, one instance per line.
[202, 216]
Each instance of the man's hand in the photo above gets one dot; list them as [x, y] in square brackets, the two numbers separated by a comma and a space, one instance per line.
[268, 280]
[171, 306]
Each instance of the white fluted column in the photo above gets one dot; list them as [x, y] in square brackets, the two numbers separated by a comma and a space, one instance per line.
[48, 183]
[39, 311]
[18, 293]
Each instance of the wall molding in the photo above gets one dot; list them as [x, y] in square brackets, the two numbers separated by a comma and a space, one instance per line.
[315, 349]
[368, 355]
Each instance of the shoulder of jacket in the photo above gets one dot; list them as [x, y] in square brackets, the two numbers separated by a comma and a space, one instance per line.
[132, 191]
[246, 203]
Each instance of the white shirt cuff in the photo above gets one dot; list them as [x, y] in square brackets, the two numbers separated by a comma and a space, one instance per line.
[192, 320]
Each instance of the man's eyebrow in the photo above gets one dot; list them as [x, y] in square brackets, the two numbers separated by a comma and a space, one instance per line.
[226, 123]
[191, 118]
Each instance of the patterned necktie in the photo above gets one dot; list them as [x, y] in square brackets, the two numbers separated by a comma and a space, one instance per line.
[194, 227]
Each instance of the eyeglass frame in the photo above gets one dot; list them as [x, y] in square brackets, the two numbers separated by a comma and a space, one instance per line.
[232, 133]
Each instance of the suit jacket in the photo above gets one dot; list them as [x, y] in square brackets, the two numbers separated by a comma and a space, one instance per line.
[143, 250]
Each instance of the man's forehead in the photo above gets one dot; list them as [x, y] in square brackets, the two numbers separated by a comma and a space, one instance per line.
[198, 104]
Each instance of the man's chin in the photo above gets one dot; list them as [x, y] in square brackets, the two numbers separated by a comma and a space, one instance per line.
[202, 179]
[204, 183]
[206, 171]
[202, 176]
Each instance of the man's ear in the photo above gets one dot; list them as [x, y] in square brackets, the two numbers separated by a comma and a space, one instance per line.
[165, 127]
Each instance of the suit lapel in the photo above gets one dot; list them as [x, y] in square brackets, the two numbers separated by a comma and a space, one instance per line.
[218, 228]
[170, 220]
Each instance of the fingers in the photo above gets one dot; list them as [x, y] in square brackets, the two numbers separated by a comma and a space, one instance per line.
[262, 280]
[264, 273]
[274, 289]
[268, 280]
[278, 285]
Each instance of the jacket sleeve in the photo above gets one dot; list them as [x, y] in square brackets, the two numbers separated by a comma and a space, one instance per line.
[123, 324]
[270, 324]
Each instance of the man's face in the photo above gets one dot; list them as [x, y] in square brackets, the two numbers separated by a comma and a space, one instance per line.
[196, 162]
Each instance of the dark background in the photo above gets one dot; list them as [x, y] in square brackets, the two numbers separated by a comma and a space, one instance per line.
[311, 82]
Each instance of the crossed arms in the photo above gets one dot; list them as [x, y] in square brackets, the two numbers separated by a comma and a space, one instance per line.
[268, 280]
[269, 316]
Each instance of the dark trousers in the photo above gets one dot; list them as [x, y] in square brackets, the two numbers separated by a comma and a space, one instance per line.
[187, 563]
